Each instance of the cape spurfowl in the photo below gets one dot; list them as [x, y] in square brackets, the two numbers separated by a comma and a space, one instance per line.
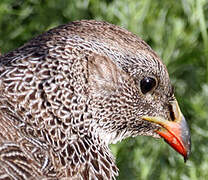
[70, 92]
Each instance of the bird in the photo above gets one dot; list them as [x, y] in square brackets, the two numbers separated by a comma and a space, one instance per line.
[69, 93]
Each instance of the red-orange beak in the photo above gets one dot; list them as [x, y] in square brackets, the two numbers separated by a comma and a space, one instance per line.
[176, 133]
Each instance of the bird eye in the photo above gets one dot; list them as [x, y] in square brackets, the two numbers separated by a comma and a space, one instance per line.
[147, 84]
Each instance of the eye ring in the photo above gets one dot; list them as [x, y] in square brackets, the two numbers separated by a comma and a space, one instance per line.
[147, 84]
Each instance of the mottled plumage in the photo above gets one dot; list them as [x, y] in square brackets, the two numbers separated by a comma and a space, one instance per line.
[70, 92]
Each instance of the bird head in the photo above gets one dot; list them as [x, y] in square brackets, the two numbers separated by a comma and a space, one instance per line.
[76, 89]
[130, 90]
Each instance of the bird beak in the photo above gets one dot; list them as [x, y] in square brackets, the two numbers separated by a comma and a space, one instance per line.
[176, 133]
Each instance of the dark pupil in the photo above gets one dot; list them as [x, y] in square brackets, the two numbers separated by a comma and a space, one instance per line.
[147, 84]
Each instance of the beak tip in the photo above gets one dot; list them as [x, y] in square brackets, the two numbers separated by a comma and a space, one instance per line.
[186, 138]
[185, 159]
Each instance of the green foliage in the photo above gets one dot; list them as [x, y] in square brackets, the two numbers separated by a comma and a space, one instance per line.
[176, 30]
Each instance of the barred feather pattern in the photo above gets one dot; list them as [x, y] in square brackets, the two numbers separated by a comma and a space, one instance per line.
[61, 105]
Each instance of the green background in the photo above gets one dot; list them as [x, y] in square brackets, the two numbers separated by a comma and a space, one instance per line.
[176, 30]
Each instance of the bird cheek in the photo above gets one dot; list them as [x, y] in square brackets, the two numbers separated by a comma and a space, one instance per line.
[149, 98]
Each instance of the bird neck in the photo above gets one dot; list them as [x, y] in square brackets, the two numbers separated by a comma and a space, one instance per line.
[88, 158]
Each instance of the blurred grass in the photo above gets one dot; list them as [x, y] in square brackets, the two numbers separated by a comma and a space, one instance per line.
[176, 30]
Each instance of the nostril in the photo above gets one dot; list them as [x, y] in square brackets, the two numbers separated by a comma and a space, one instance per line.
[172, 115]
